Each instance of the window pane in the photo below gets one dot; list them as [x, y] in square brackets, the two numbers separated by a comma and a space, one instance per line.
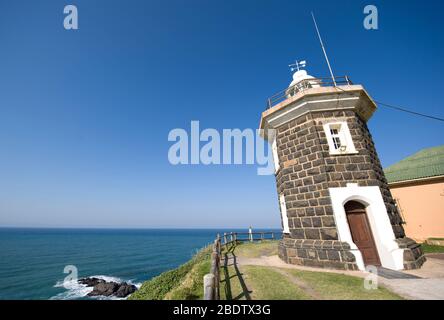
[337, 142]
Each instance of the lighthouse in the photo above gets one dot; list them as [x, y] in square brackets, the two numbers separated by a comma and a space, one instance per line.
[335, 205]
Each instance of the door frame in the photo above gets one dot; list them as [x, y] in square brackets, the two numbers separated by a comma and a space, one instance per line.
[363, 211]
[390, 255]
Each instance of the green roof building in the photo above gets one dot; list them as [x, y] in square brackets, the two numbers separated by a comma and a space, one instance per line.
[417, 185]
[424, 164]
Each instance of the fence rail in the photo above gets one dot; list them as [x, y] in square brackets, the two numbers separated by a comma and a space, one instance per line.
[233, 237]
[212, 279]
[304, 85]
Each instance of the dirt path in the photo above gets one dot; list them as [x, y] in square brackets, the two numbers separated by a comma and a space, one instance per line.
[430, 286]
[279, 266]
[276, 262]
[301, 284]
[247, 287]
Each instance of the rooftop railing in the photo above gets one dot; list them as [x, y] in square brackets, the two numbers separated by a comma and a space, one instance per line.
[304, 85]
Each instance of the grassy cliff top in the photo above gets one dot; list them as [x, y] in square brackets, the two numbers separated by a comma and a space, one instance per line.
[182, 283]
[245, 276]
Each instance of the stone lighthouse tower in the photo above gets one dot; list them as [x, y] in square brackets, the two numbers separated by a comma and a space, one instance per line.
[336, 208]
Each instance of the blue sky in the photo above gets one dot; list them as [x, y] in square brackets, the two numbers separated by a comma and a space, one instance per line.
[85, 114]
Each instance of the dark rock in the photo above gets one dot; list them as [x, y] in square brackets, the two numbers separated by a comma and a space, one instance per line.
[104, 288]
[125, 289]
[91, 282]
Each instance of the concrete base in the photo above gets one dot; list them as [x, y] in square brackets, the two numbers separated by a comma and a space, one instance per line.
[316, 253]
[333, 254]
[413, 255]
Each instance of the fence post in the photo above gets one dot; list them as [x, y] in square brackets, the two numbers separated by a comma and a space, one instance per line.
[208, 286]
[212, 279]
[215, 263]
[217, 275]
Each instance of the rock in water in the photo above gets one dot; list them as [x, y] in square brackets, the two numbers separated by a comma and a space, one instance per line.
[104, 288]
[125, 289]
[91, 282]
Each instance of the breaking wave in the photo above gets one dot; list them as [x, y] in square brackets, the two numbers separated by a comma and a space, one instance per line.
[75, 290]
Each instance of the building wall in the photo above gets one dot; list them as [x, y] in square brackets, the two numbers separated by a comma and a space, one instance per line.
[422, 207]
[307, 172]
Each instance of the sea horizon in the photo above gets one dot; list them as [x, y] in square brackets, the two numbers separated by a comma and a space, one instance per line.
[226, 229]
[33, 260]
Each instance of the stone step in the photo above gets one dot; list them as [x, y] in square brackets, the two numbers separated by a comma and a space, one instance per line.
[393, 274]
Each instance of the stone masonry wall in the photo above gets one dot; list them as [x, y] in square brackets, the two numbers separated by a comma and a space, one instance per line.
[306, 173]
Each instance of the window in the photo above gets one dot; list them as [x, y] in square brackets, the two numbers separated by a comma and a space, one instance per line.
[335, 137]
[275, 155]
[339, 138]
[284, 214]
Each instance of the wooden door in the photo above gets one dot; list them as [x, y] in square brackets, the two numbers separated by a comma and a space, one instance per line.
[361, 232]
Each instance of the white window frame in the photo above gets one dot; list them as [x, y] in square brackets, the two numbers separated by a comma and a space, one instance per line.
[284, 214]
[346, 141]
[275, 154]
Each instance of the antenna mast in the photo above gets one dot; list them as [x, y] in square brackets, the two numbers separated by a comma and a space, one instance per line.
[323, 49]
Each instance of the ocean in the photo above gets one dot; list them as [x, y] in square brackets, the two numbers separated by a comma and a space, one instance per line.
[33, 261]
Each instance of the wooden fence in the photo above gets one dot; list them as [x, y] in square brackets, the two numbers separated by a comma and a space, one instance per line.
[212, 279]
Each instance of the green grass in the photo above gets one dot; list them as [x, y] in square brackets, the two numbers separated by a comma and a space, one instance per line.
[256, 282]
[259, 283]
[230, 285]
[257, 249]
[192, 286]
[429, 248]
[171, 282]
[333, 286]
[267, 284]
